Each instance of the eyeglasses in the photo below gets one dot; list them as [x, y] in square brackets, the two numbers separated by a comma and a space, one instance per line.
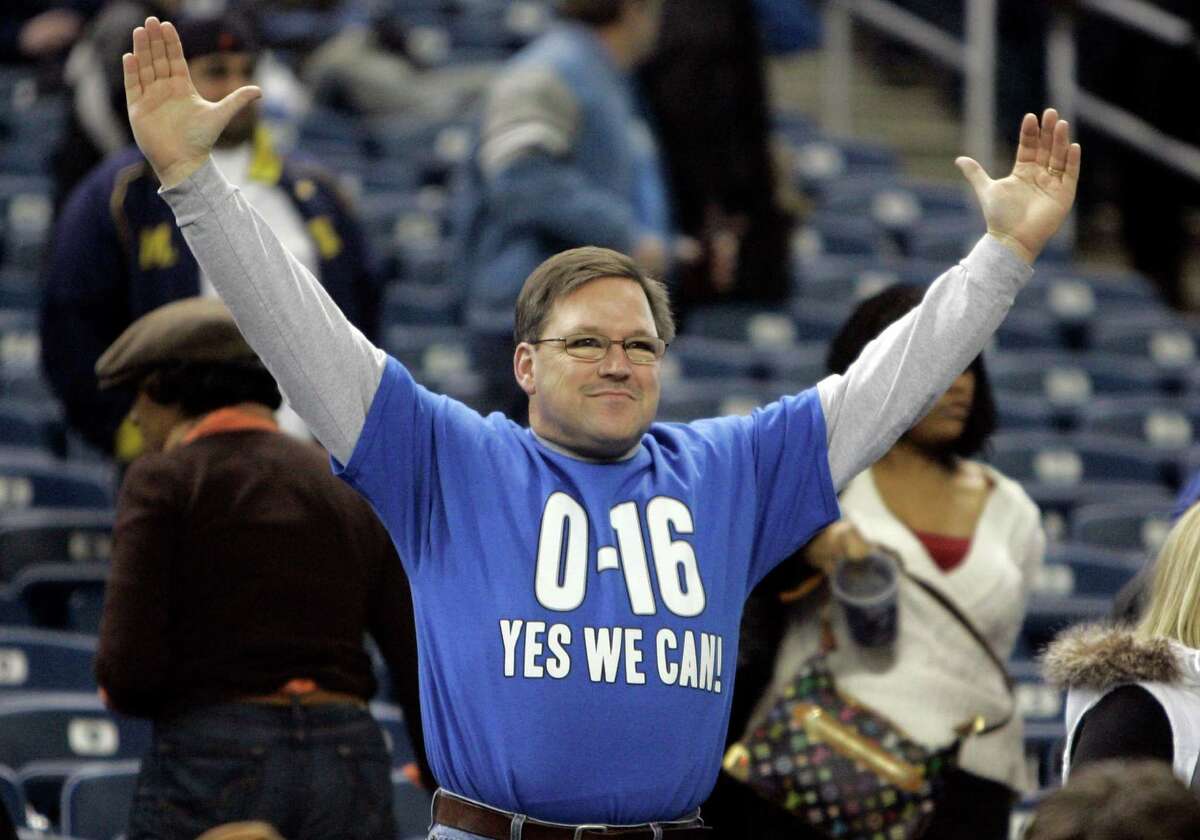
[640, 350]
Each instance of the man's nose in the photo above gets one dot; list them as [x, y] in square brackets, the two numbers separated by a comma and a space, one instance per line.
[615, 363]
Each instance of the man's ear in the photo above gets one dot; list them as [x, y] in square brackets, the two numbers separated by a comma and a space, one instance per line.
[523, 359]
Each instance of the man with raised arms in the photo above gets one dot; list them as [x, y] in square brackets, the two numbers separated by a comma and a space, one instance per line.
[578, 584]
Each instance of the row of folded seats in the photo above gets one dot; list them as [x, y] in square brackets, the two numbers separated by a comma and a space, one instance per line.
[69, 764]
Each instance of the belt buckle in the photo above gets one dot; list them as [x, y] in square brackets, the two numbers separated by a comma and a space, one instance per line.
[579, 829]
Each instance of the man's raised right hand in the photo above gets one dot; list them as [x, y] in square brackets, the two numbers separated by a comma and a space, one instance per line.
[174, 127]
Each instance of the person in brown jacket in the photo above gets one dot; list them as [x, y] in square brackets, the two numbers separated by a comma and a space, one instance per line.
[244, 576]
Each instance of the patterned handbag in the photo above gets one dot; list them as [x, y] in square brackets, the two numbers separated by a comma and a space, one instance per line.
[840, 766]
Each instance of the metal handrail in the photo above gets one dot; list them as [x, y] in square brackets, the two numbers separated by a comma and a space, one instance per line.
[1078, 104]
[974, 57]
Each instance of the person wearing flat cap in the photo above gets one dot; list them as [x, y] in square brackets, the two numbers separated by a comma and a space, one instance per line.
[117, 253]
[244, 576]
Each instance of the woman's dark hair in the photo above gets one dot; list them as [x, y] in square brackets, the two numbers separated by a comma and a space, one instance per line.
[876, 314]
[200, 387]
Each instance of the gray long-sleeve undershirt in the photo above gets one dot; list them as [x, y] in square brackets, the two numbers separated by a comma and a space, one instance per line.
[329, 371]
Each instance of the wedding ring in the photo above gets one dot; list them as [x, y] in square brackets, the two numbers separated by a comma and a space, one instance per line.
[1055, 172]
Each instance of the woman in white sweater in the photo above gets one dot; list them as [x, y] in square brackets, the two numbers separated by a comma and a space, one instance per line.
[970, 532]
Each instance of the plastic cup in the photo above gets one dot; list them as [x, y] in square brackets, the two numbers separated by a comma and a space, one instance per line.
[866, 589]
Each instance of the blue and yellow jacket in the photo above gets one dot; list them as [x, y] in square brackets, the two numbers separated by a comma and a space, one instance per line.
[117, 254]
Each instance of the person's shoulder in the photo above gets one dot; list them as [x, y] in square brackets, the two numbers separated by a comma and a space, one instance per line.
[1006, 489]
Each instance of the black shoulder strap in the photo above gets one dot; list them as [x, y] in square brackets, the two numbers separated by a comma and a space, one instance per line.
[978, 637]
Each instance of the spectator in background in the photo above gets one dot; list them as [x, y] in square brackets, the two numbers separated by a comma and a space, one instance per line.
[1118, 800]
[117, 254]
[1135, 692]
[707, 90]
[35, 30]
[96, 124]
[563, 159]
[244, 575]
[969, 532]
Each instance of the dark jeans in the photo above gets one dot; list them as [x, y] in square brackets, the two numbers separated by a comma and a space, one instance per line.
[314, 772]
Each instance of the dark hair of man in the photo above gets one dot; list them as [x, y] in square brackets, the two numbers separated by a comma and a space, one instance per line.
[1118, 800]
[563, 273]
[874, 315]
[200, 387]
[591, 12]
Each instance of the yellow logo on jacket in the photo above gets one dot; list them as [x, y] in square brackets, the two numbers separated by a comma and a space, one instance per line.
[329, 244]
[156, 249]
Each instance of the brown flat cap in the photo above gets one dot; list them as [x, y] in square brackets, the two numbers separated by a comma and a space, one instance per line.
[190, 330]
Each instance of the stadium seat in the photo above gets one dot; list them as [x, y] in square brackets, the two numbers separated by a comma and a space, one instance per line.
[819, 162]
[1048, 615]
[47, 591]
[1026, 330]
[1071, 379]
[47, 736]
[31, 424]
[1044, 742]
[1168, 425]
[53, 535]
[12, 798]
[694, 399]
[1073, 459]
[20, 354]
[29, 478]
[412, 806]
[1160, 337]
[45, 660]
[1128, 525]
[826, 234]
[96, 799]
[818, 321]
[391, 720]
[1082, 569]
[422, 304]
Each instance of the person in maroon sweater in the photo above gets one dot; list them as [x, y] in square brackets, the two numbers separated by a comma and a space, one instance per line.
[244, 576]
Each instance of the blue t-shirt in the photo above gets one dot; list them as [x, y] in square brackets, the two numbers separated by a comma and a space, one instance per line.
[577, 622]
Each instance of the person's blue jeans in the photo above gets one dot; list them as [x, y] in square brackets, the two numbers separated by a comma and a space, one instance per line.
[314, 772]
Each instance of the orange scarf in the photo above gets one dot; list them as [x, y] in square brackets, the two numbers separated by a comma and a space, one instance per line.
[235, 418]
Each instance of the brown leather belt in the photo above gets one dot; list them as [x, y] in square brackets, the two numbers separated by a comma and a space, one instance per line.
[450, 810]
[320, 697]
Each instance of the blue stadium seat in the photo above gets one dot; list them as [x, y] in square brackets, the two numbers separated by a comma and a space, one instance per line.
[29, 478]
[1168, 425]
[20, 289]
[756, 325]
[1017, 413]
[96, 799]
[45, 660]
[20, 354]
[12, 798]
[53, 535]
[818, 163]
[1080, 569]
[1058, 502]
[696, 357]
[391, 721]
[1159, 337]
[1048, 615]
[826, 234]
[47, 592]
[412, 806]
[1070, 460]
[1128, 525]
[944, 239]
[45, 736]
[1043, 750]
[32, 424]
[1028, 330]
[1070, 380]
[818, 321]
[422, 304]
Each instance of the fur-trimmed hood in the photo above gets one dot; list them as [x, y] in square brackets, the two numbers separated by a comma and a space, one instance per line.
[1098, 656]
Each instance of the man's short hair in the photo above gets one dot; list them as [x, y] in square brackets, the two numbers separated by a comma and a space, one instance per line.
[563, 273]
[1118, 800]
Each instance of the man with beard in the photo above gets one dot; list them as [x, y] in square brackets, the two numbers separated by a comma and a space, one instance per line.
[117, 253]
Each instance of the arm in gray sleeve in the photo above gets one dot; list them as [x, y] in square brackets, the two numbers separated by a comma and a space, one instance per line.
[326, 368]
[900, 374]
